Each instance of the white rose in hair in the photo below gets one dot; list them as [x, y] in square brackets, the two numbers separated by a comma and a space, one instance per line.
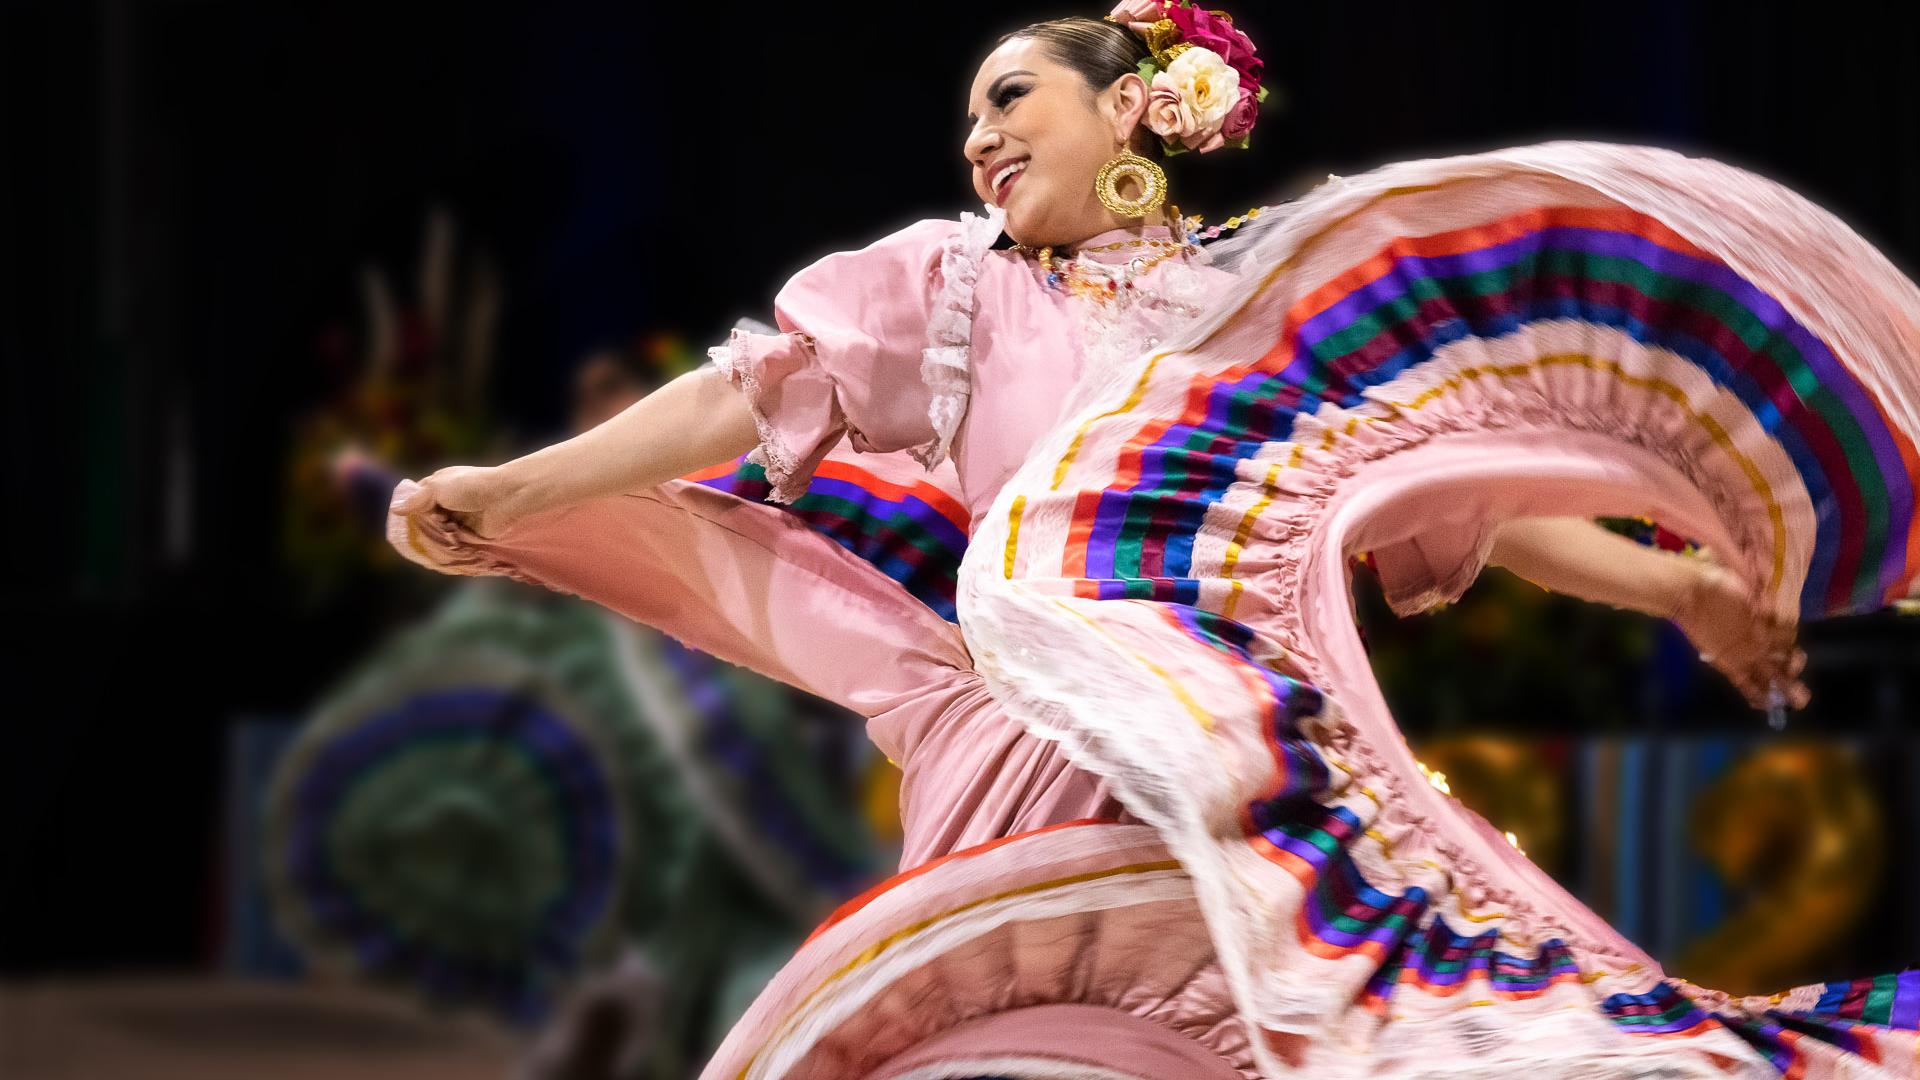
[1208, 88]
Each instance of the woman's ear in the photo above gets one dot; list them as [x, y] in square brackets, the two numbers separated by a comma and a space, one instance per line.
[1125, 104]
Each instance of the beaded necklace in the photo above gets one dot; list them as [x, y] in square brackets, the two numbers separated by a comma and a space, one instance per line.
[1081, 278]
[1102, 283]
[1213, 231]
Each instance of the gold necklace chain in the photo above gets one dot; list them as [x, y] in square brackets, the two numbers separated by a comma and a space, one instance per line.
[1076, 281]
[1073, 278]
[1145, 241]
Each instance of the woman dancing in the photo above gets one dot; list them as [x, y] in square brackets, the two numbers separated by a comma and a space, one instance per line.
[1159, 822]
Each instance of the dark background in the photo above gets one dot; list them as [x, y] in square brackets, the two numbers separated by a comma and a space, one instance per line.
[190, 189]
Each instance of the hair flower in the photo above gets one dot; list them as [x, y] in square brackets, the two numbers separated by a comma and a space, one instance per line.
[1203, 74]
[1192, 98]
[1137, 15]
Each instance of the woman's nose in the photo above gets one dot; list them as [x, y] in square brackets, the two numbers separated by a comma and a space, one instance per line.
[980, 145]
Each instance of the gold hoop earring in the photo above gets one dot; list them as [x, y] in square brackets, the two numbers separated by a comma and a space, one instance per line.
[1131, 166]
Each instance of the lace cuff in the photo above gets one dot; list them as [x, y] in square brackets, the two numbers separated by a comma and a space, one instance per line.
[795, 407]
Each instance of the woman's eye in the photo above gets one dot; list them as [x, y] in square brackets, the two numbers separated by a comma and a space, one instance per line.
[1008, 95]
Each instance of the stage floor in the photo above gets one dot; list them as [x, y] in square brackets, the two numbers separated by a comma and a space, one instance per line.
[188, 1028]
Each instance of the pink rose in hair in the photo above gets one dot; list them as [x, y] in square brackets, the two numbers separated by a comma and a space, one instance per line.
[1137, 15]
[1209, 144]
[1240, 118]
[1200, 27]
[1165, 117]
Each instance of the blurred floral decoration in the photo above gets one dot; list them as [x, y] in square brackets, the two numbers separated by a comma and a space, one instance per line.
[1744, 862]
[1798, 833]
[1776, 850]
[412, 393]
[523, 803]
[1519, 785]
[1651, 533]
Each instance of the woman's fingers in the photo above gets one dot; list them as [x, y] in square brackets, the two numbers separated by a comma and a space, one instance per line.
[1756, 685]
[429, 519]
[413, 497]
[415, 525]
[474, 521]
[413, 537]
[454, 488]
[1759, 694]
[1784, 671]
[404, 495]
[1755, 651]
[1784, 668]
[1779, 662]
[1790, 662]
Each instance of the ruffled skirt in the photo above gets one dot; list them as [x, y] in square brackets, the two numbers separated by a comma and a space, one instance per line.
[1161, 593]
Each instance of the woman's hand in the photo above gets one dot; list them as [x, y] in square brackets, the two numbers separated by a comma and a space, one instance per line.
[1754, 650]
[480, 499]
[694, 421]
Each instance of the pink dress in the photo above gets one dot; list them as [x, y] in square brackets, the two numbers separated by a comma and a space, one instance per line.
[1158, 506]
[849, 363]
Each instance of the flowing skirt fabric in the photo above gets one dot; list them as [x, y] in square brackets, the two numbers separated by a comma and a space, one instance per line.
[1156, 609]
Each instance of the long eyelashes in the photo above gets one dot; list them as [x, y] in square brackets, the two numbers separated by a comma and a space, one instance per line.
[1008, 94]
[999, 99]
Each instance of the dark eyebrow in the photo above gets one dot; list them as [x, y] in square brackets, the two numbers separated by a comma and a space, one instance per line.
[995, 88]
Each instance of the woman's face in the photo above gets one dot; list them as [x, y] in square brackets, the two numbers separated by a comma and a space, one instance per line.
[1032, 113]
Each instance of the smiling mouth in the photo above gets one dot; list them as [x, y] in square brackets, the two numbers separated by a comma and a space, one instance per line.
[1008, 175]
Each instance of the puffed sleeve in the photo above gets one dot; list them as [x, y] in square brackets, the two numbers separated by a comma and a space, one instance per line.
[1433, 567]
[872, 343]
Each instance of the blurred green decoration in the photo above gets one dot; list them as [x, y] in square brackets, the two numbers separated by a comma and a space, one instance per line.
[505, 800]
[525, 804]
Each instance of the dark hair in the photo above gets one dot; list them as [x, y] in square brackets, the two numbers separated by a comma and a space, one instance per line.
[1099, 50]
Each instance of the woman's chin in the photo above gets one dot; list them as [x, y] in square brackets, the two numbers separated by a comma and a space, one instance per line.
[1027, 231]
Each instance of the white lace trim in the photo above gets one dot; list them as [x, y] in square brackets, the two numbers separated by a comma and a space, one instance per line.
[1115, 334]
[944, 365]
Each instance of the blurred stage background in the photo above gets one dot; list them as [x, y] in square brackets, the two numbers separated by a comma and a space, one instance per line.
[269, 786]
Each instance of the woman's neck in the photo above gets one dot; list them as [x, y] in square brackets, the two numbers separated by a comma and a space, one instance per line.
[1160, 218]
